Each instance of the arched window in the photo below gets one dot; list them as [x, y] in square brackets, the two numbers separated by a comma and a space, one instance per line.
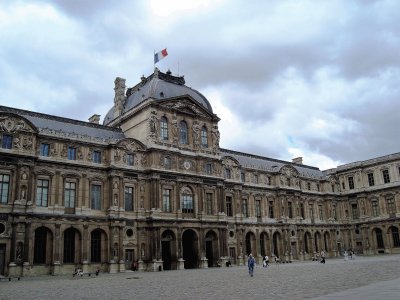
[187, 201]
[164, 128]
[95, 246]
[39, 249]
[204, 140]
[183, 133]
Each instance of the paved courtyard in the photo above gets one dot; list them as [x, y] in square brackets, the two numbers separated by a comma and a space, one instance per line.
[375, 277]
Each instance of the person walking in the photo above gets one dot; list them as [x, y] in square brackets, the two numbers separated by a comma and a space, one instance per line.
[250, 264]
[322, 257]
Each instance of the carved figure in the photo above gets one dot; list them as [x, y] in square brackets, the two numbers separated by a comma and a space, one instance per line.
[216, 136]
[174, 128]
[196, 133]
[153, 123]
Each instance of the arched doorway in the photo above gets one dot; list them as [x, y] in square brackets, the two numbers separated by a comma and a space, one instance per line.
[264, 244]
[251, 243]
[43, 246]
[307, 244]
[168, 250]
[190, 246]
[276, 240]
[394, 236]
[380, 246]
[72, 246]
[98, 246]
[211, 248]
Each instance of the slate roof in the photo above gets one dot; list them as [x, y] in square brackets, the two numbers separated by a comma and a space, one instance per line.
[159, 86]
[270, 164]
[50, 125]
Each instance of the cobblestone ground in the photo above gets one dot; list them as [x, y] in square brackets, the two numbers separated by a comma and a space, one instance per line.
[337, 279]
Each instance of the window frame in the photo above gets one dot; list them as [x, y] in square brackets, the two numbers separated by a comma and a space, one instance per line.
[71, 154]
[386, 176]
[96, 156]
[44, 149]
[4, 188]
[371, 179]
[40, 188]
[129, 203]
[7, 141]
[204, 137]
[164, 128]
[183, 133]
[95, 196]
[71, 192]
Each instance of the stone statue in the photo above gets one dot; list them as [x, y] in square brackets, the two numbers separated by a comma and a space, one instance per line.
[216, 136]
[174, 128]
[196, 133]
[153, 123]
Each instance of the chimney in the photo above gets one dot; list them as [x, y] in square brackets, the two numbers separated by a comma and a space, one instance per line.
[95, 119]
[297, 160]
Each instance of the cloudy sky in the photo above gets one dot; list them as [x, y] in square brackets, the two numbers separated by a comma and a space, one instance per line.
[317, 79]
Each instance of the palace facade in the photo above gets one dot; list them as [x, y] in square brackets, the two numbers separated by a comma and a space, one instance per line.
[151, 187]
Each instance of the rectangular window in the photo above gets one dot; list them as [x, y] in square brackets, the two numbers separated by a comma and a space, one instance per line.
[308, 186]
[209, 203]
[167, 200]
[255, 178]
[318, 187]
[187, 204]
[44, 149]
[69, 194]
[386, 176]
[229, 212]
[243, 177]
[130, 159]
[71, 153]
[208, 168]
[351, 182]
[128, 198]
[391, 206]
[227, 173]
[371, 180]
[245, 208]
[42, 192]
[375, 208]
[97, 157]
[354, 211]
[290, 210]
[321, 212]
[96, 196]
[7, 141]
[258, 208]
[271, 209]
[302, 210]
[4, 187]
[311, 211]
[167, 162]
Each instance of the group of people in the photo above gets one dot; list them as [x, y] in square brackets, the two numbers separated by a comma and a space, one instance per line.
[251, 262]
[79, 272]
[349, 254]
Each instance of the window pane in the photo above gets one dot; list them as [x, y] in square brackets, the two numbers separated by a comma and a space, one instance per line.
[96, 196]
[97, 157]
[129, 198]
[183, 133]
[42, 192]
[7, 141]
[44, 149]
[4, 187]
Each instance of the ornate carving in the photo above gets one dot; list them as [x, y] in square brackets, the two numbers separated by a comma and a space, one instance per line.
[10, 124]
[215, 137]
[153, 123]
[196, 133]
[174, 128]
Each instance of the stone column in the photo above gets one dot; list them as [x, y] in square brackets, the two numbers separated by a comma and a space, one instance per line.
[56, 249]
[85, 241]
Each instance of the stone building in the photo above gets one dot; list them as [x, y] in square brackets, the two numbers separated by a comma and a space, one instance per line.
[151, 187]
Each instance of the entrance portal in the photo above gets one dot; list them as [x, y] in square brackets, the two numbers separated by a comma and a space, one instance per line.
[189, 245]
[166, 254]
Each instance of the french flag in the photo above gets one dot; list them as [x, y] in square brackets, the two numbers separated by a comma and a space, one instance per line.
[160, 55]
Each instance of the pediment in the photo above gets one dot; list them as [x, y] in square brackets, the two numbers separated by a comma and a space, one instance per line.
[12, 123]
[288, 171]
[229, 161]
[187, 106]
[131, 145]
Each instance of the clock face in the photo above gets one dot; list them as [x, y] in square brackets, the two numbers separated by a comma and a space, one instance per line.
[187, 165]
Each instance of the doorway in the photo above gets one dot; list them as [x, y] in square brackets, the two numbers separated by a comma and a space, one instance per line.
[189, 245]
[129, 257]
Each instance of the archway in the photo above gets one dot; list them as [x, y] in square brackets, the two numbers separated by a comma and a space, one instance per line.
[168, 250]
[251, 244]
[276, 240]
[190, 246]
[380, 246]
[394, 236]
[211, 248]
[264, 239]
[43, 246]
[98, 246]
[72, 246]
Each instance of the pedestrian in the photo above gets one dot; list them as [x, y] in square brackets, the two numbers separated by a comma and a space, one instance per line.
[266, 261]
[322, 257]
[250, 264]
[351, 254]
